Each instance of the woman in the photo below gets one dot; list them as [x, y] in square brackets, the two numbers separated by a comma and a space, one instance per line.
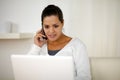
[50, 40]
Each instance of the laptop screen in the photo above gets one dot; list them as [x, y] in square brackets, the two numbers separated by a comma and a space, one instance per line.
[32, 67]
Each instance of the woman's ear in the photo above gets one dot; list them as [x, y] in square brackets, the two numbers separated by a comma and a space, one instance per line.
[63, 22]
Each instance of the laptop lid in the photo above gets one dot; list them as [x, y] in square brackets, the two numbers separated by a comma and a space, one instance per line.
[31, 67]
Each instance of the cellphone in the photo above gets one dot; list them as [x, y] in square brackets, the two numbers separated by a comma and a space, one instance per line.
[43, 34]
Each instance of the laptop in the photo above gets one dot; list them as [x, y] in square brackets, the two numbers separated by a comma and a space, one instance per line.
[34, 67]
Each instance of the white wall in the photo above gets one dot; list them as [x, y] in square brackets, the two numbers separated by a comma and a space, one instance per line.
[8, 47]
[95, 22]
[26, 14]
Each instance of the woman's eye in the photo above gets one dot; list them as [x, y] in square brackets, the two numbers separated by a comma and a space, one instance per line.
[46, 27]
[56, 26]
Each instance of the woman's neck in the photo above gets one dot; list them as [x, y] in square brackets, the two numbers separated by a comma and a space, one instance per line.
[59, 43]
[60, 40]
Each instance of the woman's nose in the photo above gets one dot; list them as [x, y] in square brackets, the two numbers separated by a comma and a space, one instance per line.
[52, 30]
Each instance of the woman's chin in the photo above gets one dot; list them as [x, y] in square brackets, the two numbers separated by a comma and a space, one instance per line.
[52, 39]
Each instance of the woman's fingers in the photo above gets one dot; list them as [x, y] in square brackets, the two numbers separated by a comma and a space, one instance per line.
[39, 35]
[38, 39]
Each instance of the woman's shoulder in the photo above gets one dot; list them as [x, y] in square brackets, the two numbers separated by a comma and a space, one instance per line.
[77, 42]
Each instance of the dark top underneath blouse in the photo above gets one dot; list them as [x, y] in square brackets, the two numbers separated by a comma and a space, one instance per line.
[53, 52]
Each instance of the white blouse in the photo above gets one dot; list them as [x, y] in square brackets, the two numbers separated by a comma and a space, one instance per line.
[74, 48]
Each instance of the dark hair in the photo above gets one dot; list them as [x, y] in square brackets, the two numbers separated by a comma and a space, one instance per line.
[52, 10]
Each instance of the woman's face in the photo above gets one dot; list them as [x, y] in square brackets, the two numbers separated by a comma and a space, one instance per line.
[52, 27]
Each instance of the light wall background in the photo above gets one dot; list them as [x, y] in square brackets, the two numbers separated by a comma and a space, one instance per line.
[95, 22]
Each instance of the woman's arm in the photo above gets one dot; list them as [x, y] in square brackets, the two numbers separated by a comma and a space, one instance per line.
[82, 66]
[35, 50]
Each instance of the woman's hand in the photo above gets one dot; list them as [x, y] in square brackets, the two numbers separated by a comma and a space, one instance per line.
[38, 39]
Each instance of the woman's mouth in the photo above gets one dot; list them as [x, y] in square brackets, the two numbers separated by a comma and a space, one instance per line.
[52, 36]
